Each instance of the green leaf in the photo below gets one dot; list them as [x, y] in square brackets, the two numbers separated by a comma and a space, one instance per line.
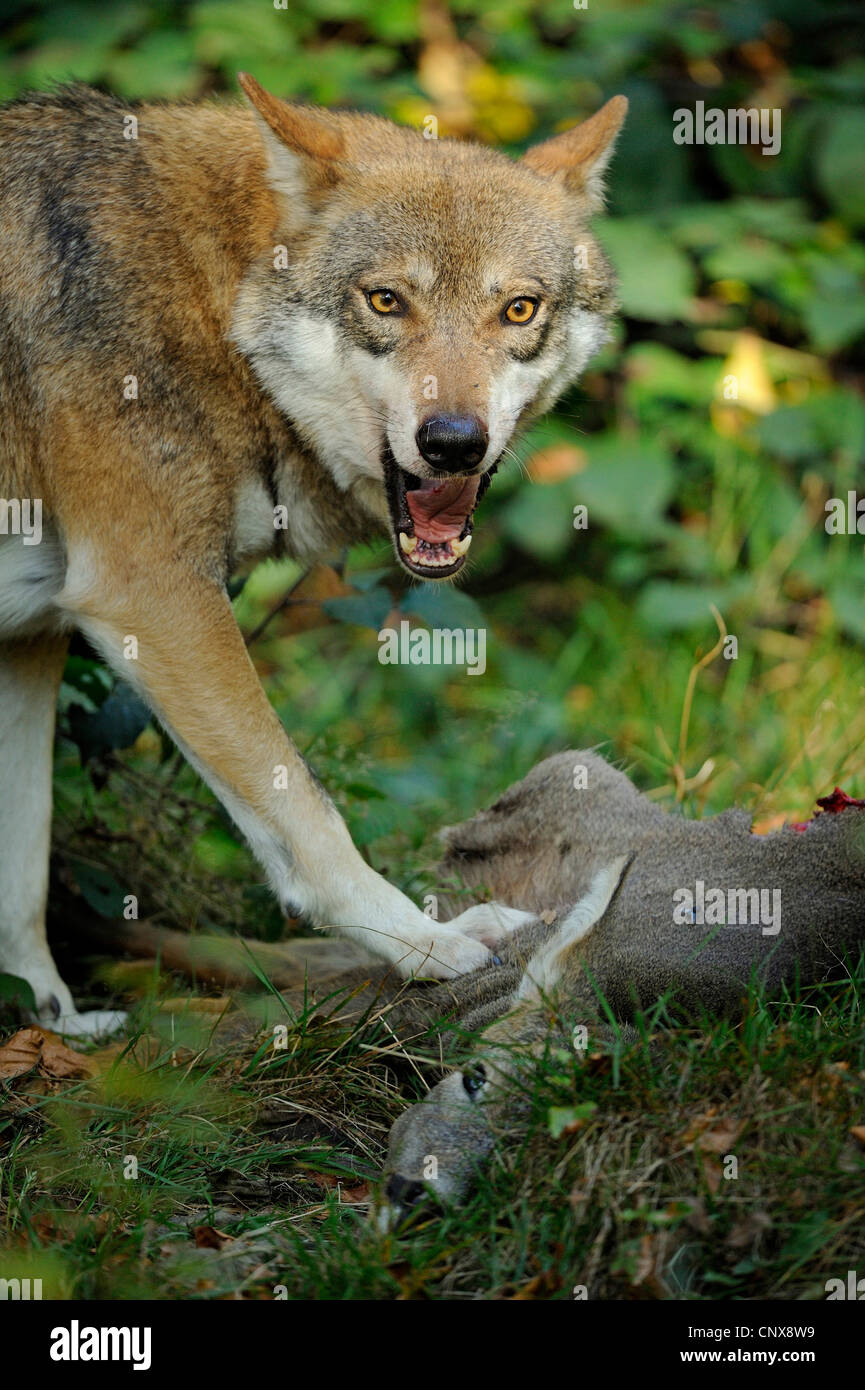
[116, 724]
[366, 610]
[364, 791]
[218, 849]
[789, 433]
[657, 372]
[368, 821]
[834, 318]
[89, 678]
[540, 519]
[17, 992]
[627, 485]
[364, 580]
[839, 165]
[99, 889]
[656, 279]
[441, 605]
[849, 607]
[651, 171]
[753, 261]
[559, 1117]
[160, 65]
[839, 418]
[665, 606]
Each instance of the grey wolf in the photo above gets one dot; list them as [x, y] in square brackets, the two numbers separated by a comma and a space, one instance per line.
[233, 332]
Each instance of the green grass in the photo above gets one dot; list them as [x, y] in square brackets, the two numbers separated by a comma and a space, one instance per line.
[629, 1204]
[730, 265]
[634, 1201]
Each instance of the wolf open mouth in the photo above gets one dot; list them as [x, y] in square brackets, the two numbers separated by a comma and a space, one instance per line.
[431, 518]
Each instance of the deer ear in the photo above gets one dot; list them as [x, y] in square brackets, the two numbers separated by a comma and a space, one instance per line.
[579, 157]
[302, 143]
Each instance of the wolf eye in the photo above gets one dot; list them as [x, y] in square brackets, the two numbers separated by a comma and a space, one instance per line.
[521, 310]
[384, 302]
[474, 1079]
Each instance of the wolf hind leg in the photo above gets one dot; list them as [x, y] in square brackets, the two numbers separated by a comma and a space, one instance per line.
[30, 673]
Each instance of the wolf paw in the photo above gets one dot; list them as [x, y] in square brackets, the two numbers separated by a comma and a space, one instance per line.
[490, 923]
[443, 955]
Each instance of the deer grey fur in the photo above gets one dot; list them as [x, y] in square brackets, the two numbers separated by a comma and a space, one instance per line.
[602, 863]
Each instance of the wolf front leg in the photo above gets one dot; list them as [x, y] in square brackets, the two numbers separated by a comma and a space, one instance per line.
[172, 634]
[30, 672]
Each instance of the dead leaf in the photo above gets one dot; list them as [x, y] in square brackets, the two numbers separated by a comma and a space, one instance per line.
[194, 1004]
[32, 1048]
[652, 1259]
[556, 462]
[444, 67]
[20, 1054]
[712, 1133]
[145, 1051]
[721, 1138]
[350, 1189]
[645, 1260]
[767, 824]
[858, 1133]
[208, 1238]
[60, 1063]
[697, 1218]
[541, 1286]
[359, 1192]
[300, 610]
[747, 1231]
[698, 1124]
[598, 1064]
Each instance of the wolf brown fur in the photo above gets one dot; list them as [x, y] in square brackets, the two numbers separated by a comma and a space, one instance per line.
[188, 348]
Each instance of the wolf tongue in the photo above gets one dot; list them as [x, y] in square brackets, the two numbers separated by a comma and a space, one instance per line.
[439, 510]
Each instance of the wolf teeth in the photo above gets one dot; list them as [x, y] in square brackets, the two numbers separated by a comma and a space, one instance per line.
[455, 549]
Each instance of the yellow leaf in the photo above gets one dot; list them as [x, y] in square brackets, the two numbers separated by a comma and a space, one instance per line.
[745, 382]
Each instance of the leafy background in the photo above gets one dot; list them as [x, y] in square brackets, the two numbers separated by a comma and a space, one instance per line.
[731, 264]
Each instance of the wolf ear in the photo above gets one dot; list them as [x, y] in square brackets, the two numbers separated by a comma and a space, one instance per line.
[300, 142]
[579, 157]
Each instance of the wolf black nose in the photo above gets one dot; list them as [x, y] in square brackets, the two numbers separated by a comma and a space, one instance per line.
[405, 1191]
[452, 443]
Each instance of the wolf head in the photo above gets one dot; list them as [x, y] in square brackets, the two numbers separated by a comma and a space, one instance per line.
[431, 297]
